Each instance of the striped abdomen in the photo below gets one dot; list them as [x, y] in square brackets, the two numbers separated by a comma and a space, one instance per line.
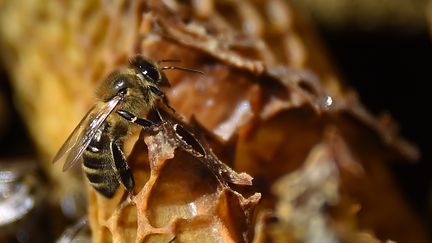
[98, 164]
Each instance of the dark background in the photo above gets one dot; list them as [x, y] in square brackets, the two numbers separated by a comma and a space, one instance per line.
[392, 71]
[14, 139]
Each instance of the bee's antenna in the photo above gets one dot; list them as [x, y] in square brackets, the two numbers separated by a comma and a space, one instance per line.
[168, 60]
[182, 69]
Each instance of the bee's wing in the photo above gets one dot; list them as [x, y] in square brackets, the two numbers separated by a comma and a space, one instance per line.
[72, 140]
[82, 135]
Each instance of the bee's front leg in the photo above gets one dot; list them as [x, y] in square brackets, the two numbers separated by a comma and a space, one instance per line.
[162, 96]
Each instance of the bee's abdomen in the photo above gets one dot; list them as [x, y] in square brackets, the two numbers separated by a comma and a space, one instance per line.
[99, 172]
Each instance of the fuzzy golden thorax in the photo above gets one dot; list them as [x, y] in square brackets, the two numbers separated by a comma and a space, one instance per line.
[137, 99]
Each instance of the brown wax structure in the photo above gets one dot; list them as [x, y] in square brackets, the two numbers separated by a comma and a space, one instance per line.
[270, 107]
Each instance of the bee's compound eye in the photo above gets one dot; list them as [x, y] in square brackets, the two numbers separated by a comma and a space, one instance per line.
[148, 69]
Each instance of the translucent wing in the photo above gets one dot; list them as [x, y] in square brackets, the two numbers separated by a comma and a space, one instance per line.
[82, 135]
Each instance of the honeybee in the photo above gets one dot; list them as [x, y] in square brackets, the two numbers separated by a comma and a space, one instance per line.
[124, 95]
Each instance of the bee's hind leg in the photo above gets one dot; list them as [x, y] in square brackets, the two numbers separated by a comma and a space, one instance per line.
[122, 168]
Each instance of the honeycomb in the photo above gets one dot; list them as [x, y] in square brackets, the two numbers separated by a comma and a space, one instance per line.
[271, 106]
[185, 195]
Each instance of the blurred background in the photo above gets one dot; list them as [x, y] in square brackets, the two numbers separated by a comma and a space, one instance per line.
[381, 48]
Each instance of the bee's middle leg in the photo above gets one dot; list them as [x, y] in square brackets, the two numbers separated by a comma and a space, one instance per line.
[132, 118]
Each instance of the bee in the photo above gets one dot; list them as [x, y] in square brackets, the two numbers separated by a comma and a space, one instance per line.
[97, 141]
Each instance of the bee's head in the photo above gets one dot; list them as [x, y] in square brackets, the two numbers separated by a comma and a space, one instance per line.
[153, 74]
[149, 70]
[136, 80]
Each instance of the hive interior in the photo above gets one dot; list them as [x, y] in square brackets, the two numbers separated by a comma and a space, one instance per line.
[270, 105]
